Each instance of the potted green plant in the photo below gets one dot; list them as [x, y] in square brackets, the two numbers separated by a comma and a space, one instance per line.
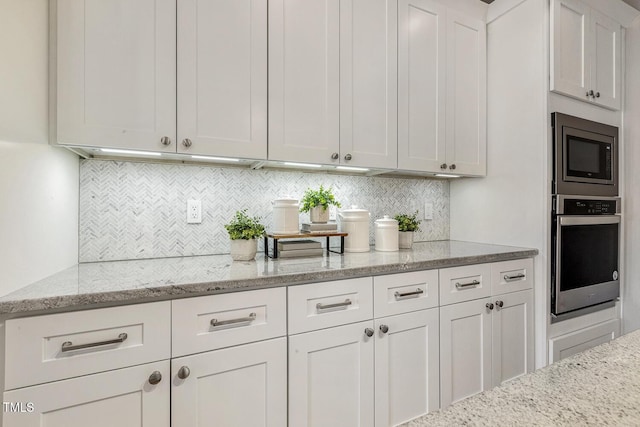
[244, 232]
[407, 225]
[317, 203]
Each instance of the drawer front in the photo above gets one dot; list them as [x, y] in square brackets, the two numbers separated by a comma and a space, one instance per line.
[323, 305]
[465, 283]
[57, 346]
[405, 292]
[218, 321]
[511, 276]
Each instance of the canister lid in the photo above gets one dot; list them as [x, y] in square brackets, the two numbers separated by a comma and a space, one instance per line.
[386, 222]
[285, 201]
[354, 214]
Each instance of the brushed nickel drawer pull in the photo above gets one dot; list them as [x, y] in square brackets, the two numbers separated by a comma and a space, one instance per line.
[216, 322]
[408, 294]
[68, 345]
[345, 304]
[514, 277]
[467, 285]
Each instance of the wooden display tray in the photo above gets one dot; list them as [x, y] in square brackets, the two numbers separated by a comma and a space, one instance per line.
[277, 237]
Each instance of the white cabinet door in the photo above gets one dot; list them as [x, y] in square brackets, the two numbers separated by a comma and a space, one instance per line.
[331, 377]
[512, 336]
[606, 60]
[422, 86]
[407, 366]
[123, 398]
[466, 95]
[113, 73]
[304, 80]
[465, 350]
[570, 70]
[368, 83]
[222, 77]
[239, 386]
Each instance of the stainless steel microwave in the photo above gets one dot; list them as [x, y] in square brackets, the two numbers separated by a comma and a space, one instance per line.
[585, 157]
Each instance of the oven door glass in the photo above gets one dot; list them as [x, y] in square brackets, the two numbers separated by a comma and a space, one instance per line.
[586, 261]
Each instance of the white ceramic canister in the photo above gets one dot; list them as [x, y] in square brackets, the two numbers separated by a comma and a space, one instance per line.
[355, 222]
[386, 232]
[286, 216]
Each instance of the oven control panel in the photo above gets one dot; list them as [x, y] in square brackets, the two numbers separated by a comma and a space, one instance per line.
[568, 206]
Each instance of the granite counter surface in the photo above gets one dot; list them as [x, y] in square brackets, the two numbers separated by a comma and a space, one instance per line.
[600, 386]
[123, 282]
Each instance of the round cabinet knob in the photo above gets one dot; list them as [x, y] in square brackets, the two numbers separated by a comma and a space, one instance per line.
[590, 93]
[443, 166]
[489, 305]
[347, 157]
[335, 156]
[184, 372]
[452, 167]
[368, 332]
[165, 140]
[384, 329]
[186, 142]
[155, 378]
[597, 94]
[499, 303]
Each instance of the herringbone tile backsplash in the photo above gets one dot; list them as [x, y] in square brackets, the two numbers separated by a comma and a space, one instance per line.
[132, 210]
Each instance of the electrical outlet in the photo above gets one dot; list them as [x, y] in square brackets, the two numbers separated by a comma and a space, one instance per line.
[428, 210]
[194, 211]
[333, 213]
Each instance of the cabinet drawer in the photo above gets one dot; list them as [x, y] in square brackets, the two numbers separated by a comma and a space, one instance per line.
[217, 321]
[52, 347]
[405, 292]
[464, 283]
[511, 276]
[322, 305]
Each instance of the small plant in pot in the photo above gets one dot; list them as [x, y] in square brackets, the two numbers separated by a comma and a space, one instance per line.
[244, 232]
[317, 203]
[407, 225]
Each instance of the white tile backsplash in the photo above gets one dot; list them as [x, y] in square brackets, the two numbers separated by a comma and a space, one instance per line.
[132, 210]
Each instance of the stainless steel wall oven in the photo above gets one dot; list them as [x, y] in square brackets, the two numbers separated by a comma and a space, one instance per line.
[585, 230]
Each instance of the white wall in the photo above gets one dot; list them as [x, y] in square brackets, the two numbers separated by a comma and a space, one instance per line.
[509, 206]
[38, 183]
[631, 189]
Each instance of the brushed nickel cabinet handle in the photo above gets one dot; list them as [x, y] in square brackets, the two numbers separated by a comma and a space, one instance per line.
[368, 332]
[499, 303]
[443, 166]
[165, 140]
[347, 157]
[345, 304]
[408, 294]
[184, 372]
[514, 277]
[467, 285]
[384, 329]
[187, 142]
[68, 345]
[452, 167]
[155, 378]
[250, 318]
[335, 156]
[489, 305]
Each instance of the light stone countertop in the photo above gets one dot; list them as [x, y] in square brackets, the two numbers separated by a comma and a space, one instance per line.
[123, 282]
[600, 386]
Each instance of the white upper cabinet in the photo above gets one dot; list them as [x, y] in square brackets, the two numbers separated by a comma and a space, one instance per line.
[368, 83]
[466, 95]
[586, 53]
[332, 82]
[441, 89]
[422, 86]
[222, 77]
[304, 80]
[113, 74]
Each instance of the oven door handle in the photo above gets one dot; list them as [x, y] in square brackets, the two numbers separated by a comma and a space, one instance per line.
[589, 220]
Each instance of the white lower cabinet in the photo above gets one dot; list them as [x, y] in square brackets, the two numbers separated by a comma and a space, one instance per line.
[483, 343]
[331, 377]
[244, 385]
[128, 397]
[406, 366]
